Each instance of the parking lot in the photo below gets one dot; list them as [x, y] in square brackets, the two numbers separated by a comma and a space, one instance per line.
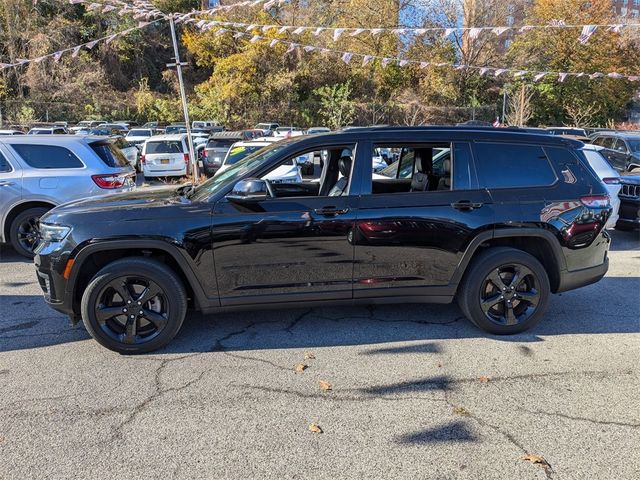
[416, 391]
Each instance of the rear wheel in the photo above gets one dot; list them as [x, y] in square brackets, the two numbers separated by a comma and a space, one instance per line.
[504, 291]
[134, 305]
[24, 233]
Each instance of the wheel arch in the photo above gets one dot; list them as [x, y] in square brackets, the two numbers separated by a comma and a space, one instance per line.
[17, 209]
[91, 258]
[541, 244]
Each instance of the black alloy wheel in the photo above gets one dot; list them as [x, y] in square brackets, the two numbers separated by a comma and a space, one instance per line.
[132, 310]
[134, 305]
[24, 233]
[504, 291]
[509, 295]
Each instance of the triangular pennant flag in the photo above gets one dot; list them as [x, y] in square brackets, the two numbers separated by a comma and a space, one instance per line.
[111, 39]
[299, 30]
[497, 31]
[357, 32]
[399, 31]
[366, 60]
[499, 72]
[143, 24]
[376, 31]
[283, 29]
[448, 31]
[200, 24]
[39, 59]
[520, 73]
[461, 67]
[220, 32]
[292, 47]
[484, 71]
[266, 28]
[309, 48]
[325, 50]
[615, 75]
[274, 42]
[251, 27]
[424, 64]
[346, 57]
[474, 33]
[90, 45]
[238, 35]
[57, 55]
[420, 31]
[269, 4]
[587, 31]
[385, 62]
[634, 78]
[526, 28]
[318, 31]
[562, 76]
[596, 75]
[255, 38]
[615, 28]
[539, 76]
[21, 61]
[403, 63]
[76, 51]
[337, 33]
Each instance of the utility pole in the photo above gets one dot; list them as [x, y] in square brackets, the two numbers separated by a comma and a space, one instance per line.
[183, 95]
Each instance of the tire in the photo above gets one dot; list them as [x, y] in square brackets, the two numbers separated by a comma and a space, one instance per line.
[18, 231]
[509, 311]
[163, 314]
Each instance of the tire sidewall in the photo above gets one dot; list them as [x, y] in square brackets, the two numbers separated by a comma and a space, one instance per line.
[172, 290]
[479, 272]
[35, 212]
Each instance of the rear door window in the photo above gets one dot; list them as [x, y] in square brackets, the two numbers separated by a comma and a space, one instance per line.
[5, 166]
[109, 154]
[47, 156]
[173, 146]
[504, 165]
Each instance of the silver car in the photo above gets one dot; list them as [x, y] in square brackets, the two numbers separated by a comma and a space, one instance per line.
[39, 172]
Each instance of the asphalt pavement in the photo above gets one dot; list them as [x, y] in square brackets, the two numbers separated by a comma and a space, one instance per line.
[416, 392]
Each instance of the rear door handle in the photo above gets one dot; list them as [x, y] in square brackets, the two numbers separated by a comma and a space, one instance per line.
[6, 183]
[331, 211]
[466, 205]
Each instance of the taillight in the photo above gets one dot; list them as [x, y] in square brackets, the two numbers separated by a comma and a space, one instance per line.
[109, 181]
[611, 180]
[186, 158]
[596, 201]
[142, 159]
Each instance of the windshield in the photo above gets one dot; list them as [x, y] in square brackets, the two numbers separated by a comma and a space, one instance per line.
[238, 153]
[139, 133]
[237, 170]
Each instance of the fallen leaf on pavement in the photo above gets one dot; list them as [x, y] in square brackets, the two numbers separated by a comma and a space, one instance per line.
[484, 379]
[439, 365]
[309, 356]
[315, 428]
[300, 367]
[461, 411]
[536, 459]
[324, 385]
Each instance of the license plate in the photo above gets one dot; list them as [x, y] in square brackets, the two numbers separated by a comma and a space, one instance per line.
[164, 161]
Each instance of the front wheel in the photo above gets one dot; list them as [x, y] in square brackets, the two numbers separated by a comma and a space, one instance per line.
[134, 305]
[504, 291]
[23, 232]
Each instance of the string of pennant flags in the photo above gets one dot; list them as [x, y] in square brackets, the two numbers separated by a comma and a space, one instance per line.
[347, 58]
[148, 14]
[75, 51]
[473, 32]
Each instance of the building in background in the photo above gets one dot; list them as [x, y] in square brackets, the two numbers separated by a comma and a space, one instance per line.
[627, 8]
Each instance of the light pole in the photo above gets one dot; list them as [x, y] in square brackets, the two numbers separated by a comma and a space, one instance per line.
[183, 96]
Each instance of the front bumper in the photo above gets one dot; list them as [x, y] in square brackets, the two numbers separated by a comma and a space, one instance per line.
[50, 274]
[629, 212]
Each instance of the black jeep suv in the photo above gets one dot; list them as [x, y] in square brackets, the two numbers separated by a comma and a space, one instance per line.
[498, 219]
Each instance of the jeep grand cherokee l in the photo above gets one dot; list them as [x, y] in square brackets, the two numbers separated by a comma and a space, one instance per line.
[504, 221]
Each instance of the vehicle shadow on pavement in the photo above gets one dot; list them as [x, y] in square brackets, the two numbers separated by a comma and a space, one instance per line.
[579, 312]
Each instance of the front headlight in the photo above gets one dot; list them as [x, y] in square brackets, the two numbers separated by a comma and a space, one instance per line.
[53, 233]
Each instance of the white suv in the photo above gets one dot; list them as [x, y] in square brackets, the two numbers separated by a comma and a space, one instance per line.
[165, 156]
[39, 172]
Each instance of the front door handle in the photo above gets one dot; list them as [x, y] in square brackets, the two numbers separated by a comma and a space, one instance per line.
[6, 183]
[466, 205]
[331, 211]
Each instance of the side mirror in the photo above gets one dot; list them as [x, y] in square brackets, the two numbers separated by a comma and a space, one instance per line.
[250, 190]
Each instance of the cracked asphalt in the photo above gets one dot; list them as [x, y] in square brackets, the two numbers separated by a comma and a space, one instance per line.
[417, 392]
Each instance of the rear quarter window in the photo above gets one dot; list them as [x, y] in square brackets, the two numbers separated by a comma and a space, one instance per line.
[505, 165]
[47, 156]
[109, 154]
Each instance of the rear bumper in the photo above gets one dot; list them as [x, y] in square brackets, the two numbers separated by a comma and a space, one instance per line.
[582, 278]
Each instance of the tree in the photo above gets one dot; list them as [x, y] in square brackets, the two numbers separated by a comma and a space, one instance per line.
[519, 107]
[336, 107]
